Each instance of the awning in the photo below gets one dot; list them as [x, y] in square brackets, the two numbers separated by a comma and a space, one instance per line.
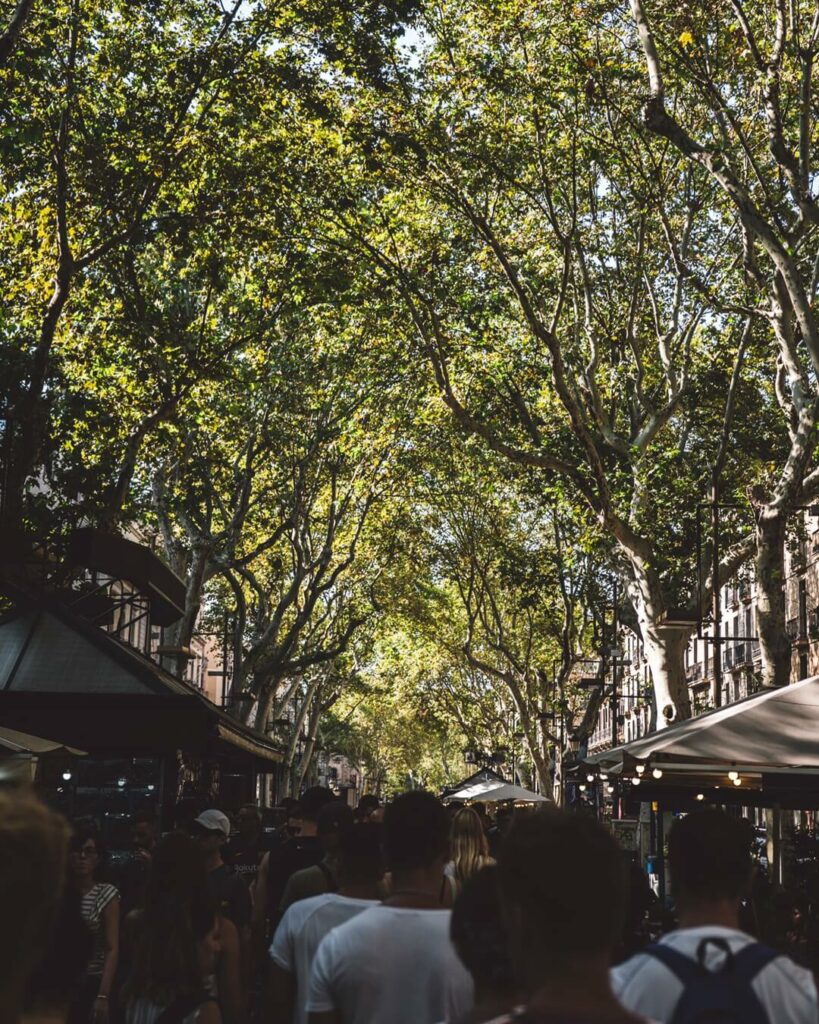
[776, 729]
[763, 750]
[495, 792]
[14, 743]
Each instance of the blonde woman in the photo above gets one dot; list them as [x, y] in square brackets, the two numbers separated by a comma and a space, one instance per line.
[468, 847]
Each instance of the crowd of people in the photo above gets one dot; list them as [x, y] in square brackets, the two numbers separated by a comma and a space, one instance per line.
[413, 913]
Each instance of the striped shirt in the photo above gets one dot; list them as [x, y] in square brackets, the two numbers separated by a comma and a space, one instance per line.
[93, 904]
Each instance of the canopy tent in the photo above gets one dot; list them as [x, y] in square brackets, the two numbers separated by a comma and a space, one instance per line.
[771, 739]
[483, 775]
[492, 791]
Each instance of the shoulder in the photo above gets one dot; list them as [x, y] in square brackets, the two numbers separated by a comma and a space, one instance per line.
[105, 894]
[785, 981]
[634, 971]
[228, 932]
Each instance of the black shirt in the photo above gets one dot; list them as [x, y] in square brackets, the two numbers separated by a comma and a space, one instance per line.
[231, 894]
[294, 855]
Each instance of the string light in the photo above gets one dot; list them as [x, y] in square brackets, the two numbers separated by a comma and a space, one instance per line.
[700, 796]
[609, 789]
[635, 780]
[640, 768]
[603, 776]
[66, 775]
[590, 778]
[733, 775]
[737, 781]
[657, 773]
[582, 787]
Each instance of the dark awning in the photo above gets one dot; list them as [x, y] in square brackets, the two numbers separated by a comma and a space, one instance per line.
[63, 678]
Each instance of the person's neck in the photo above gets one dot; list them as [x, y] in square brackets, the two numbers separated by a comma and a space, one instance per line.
[419, 889]
[576, 987]
[214, 861]
[718, 913]
[86, 883]
[308, 828]
[360, 891]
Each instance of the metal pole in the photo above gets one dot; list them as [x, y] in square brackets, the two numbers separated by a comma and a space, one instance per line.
[614, 699]
[715, 604]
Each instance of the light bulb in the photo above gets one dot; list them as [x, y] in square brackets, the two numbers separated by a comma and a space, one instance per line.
[700, 796]
[657, 773]
[640, 769]
[121, 783]
[609, 789]
[589, 778]
[733, 776]
[66, 776]
[635, 780]
[582, 787]
[151, 787]
[737, 781]
[603, 776]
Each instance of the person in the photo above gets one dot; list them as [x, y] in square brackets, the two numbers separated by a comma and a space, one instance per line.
[331, 821]
[395, 962]
[305, 923]
[134, 875]
[211, 829]
[185, 957]
[469, 848]
[99, 904]
[33, 847]
[368, 805]
[563, 887]
[300, 851]
[479, 936]
[175, 949]
[711, 866]
[58, 977]
[244, 851]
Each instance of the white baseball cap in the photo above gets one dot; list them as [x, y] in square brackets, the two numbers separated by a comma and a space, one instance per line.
[214, 821]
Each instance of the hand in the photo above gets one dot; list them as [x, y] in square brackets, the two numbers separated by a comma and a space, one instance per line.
[100, 1011]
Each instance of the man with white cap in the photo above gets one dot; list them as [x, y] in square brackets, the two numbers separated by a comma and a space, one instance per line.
[212, 830]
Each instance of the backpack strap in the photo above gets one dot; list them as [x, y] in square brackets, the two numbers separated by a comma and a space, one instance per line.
[750, 960]
[686, 970]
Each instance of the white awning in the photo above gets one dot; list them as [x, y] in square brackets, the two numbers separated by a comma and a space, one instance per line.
[774, 729]
[494, 792]
[21, 744]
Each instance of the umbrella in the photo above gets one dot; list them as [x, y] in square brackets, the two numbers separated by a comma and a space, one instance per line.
[493, 792]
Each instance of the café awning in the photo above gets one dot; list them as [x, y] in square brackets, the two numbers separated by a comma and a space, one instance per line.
[14, 743]
[762, 751]
[777, 730]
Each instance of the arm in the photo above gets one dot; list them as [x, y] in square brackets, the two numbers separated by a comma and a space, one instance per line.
[229, 971]
[110, 925]
[282, 995]
[209, 1013]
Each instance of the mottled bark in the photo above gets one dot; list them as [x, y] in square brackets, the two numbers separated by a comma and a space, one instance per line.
[770, 606]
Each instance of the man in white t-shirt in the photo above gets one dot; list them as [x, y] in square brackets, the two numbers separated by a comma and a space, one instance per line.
[306, 922]
[395, 963]
[711, 868]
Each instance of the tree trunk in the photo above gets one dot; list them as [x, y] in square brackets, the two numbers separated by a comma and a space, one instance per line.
[770, 605]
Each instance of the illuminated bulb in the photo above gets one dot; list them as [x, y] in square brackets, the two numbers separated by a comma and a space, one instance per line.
[700, 796]
[603, 776]
[66, 776]
[121, 783]
[609, 789]
[635, 780]
[151, 787]
[737, 781]
[733, 776]
[640, 769]
[589, 778]
[582, 787]
[657, 773]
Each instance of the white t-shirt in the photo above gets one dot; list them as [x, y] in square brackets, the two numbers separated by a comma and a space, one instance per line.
[646, 986]
[300, 931]
[390, 965]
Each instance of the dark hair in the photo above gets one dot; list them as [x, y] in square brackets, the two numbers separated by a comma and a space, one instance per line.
[478, 932]
[416, 831]
[179, 910]
[564, 874]
[145, 818]
[333, 819]
[57, 979]
[360, 854]
[80, 836]
[366, 805]
[710, 856]
[312, 801]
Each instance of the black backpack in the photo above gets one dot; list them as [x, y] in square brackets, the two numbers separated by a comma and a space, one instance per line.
[724, 996]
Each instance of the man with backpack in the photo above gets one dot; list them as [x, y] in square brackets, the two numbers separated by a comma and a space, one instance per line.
[709, 970]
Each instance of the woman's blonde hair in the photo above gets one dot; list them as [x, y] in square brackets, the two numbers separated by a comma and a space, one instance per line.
[470, 850]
